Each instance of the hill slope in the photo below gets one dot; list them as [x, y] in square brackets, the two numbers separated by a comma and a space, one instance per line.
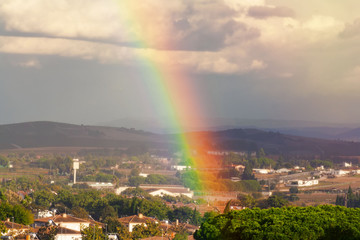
[51, 134]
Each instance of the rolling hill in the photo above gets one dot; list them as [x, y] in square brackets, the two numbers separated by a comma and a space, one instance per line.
[52, 134]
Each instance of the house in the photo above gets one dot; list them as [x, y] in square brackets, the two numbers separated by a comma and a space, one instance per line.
[65, 221]
[161, 190]
[145, 175]
[283, 170]
[339, 173]
[15, 229]
[180, 167]
[302, 183]
[67, 234]
[347, 164]
[131, 221]
[262, 171]
[171, 190]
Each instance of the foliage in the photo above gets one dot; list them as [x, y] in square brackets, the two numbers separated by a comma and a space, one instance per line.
[93, 232]
[322, 222]
[21, 215]
[350, 199]
[135, 181]
[123, 232]
[3, 228]
[185, 214]
[79, 212]
[248, 173]
[294, 189]
[141, 231]
[48, 232]
[44, 198]
[4, 161]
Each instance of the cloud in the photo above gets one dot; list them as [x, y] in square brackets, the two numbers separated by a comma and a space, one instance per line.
[263, 12]
[180, 25]
[351, 29]
[31, 63]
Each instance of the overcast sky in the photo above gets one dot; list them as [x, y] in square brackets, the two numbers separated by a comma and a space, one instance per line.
[78, 61]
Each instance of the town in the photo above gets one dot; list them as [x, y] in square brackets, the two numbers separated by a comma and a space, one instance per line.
[128, 194]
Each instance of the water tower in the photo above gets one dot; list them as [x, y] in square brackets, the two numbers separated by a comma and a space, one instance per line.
[76, 165]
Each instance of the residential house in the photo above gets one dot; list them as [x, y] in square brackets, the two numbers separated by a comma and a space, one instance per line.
[131, 221]
[15, 229]
[66, 221]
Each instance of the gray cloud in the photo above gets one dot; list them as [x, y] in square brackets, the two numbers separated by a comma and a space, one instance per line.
[351, 30]
[263, 12]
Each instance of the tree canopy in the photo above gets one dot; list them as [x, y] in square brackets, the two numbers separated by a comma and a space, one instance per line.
[321, 222]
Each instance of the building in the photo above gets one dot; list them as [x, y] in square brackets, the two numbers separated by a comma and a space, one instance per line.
[65, 221]
[162, 190]
[302, 183]
[283, 170]
[180, 167]
[15, 229]
[262, 171]
[67, 234]
[131, 221]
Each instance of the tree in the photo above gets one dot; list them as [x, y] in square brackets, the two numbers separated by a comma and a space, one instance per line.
[294, 189]
[3, 228]
[4, 161]
[48, 232]
[277, 202]
[123, 232]
[80, 212]
[93, 232]
[322, 222]
[248, 173]
[149, 230]
[44, 198]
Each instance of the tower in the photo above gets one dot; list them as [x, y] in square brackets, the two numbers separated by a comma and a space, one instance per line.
[75, 167]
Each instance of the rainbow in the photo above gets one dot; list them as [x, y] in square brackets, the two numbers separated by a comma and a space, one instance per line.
[173, 92]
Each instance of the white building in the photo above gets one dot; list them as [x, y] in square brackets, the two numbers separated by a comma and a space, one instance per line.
[339, 173]
[262, 170]
[67, 234]
[180, 167]
[302, 183]
[66, 221]
[349, 164]
[161, 190]
[283, 170]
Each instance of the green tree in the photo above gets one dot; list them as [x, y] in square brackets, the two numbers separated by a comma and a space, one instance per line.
[93, 232]
[141, 231]
[4, 161]
[123, 232]
[293, 190]
[248, 173]
[322, 222]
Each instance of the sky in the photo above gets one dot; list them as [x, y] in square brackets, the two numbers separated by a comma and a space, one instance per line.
[84, 61]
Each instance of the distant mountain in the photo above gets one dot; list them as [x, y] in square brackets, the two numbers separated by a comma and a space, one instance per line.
[277, 143]
[350, 135]
[52, 134]
[299, 128]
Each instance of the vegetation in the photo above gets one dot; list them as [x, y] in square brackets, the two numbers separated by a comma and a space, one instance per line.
[322, 222]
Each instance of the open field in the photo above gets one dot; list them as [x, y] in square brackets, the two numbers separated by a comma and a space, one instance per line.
[26, 172]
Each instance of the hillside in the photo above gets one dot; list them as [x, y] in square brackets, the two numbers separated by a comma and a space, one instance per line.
[52, 134]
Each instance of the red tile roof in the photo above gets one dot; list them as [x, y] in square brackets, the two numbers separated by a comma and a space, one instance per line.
[136, 219]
